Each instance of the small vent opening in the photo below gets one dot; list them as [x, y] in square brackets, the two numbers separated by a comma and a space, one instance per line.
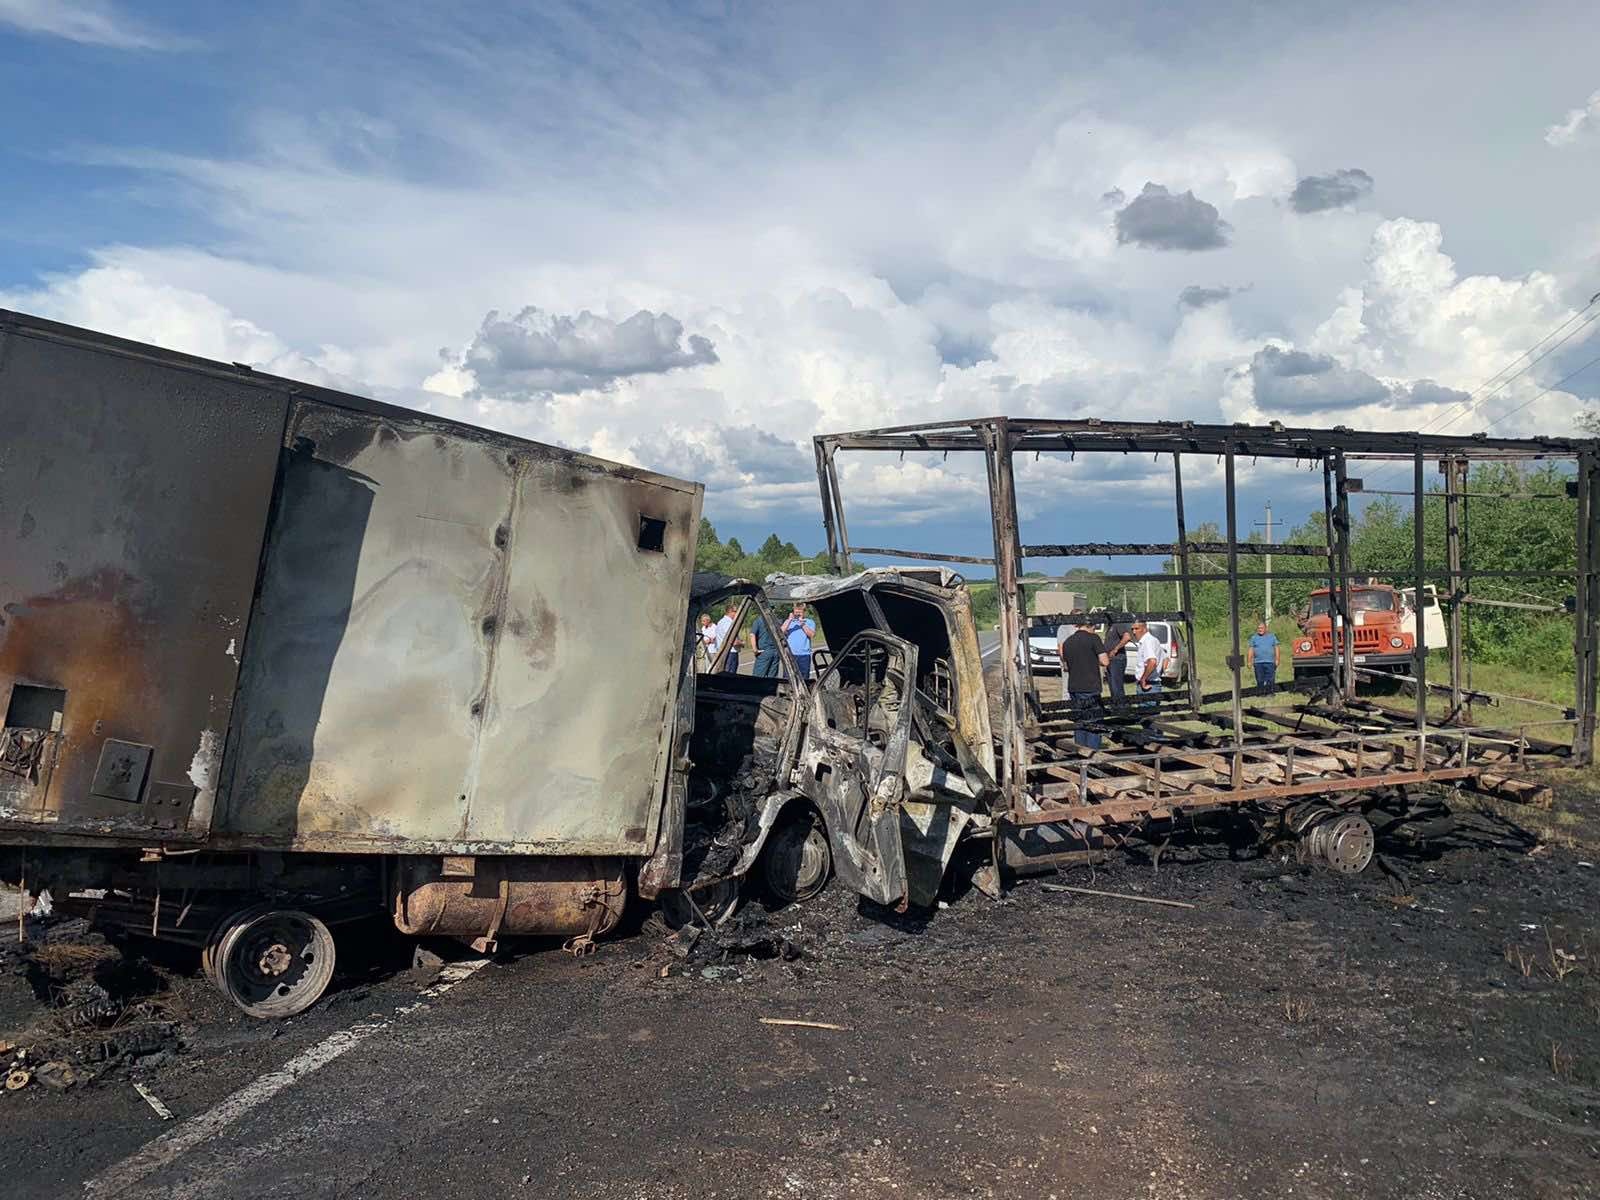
[35, 707]
[652, 534]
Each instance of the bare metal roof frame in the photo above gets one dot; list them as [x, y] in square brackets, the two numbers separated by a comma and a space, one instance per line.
[999, 439]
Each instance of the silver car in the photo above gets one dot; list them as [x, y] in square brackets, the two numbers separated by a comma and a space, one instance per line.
[1044, 653]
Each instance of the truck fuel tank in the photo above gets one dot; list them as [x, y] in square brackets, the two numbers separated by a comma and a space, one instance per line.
[481, 898]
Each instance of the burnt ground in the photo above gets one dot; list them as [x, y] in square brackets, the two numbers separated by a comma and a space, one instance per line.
[1296, 1033]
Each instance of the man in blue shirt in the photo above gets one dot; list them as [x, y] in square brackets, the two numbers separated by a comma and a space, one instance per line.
[765, 647]
[1265, 654]
[798, 630]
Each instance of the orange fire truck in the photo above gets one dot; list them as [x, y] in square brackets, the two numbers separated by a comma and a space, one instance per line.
[1385, 638]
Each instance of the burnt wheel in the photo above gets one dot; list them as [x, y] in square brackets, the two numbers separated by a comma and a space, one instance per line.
[271, 962]
[707, 905]
[797, 860]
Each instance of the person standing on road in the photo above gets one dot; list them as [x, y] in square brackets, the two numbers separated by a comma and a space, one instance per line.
[705, 650]
[765, 648]
[1151, 656]
[1064, 633]
[1083, 660]
[798, 630]
[1118, 638]
[1266, 656]
[725, 636]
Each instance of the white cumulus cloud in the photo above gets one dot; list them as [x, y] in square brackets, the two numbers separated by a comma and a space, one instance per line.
[746, 230]
[1407, 345]
[1579, 123]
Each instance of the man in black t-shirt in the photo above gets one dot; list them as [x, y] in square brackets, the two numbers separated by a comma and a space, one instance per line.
[1083, 659]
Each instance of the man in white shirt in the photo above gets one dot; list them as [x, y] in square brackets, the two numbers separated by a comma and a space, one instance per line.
[706, 644]
[1151, 661]
[730, 665]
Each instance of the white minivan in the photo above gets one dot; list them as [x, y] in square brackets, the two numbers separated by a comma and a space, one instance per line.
[1045, 655]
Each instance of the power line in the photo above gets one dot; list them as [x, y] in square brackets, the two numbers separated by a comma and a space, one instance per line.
[1558, 383]
[1562, 382]
[1471, 402]
[1474, 399]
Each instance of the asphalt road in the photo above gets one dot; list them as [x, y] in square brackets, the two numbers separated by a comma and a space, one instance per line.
[1294, 1033]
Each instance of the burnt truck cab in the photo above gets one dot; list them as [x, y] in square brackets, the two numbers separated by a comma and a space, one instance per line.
[1383, 639]
[874, 770]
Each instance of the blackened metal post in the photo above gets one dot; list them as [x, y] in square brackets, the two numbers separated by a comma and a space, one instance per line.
[1329, 523]
[1420, 567]
[1585, 612]
[1344, 634]
[1236, 660]
[1455, 486]
[824, 470]
[1185, 592]
[1008, 573]
[843, 566]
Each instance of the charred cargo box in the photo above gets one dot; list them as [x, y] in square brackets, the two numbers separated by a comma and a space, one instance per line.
[248, 613]
[245, 614]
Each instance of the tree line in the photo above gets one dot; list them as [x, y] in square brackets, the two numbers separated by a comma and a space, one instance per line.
[731, 558]
[1499, 535]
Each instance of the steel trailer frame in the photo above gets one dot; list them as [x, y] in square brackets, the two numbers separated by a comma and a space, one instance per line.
[1338, 747]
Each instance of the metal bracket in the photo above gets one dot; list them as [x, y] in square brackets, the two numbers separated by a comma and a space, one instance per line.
[168, 804]
[122, 770]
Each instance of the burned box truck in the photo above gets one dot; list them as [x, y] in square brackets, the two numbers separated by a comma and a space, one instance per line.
[274, 658]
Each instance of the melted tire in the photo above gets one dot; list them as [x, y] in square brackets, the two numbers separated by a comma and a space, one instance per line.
[797, 859]
[708, 905]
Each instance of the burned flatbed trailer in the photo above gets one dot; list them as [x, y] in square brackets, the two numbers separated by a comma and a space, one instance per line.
[274, 657]
[1313, 767]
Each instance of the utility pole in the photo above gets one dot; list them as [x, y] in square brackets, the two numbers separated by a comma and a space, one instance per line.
[1268, 524]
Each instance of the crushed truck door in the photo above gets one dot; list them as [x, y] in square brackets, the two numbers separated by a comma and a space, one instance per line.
[854, 756]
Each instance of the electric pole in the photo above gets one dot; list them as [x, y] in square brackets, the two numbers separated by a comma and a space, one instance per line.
[1267, 615]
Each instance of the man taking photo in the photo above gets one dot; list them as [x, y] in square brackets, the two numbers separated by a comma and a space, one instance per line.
[798, 630]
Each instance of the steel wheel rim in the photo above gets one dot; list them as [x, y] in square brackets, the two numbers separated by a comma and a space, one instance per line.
[275, 963]
[798, 860]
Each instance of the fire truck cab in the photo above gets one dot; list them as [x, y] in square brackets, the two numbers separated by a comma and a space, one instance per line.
[1385, 640]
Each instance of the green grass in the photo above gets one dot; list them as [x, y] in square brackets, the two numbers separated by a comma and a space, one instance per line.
[1551, 687]
[1212, 647]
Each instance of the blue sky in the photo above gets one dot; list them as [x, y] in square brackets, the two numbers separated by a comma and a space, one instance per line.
[691, 236]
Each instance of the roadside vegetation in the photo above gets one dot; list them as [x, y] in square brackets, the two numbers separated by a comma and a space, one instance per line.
[1500, 535]
[1518, 652]
[731, 558]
